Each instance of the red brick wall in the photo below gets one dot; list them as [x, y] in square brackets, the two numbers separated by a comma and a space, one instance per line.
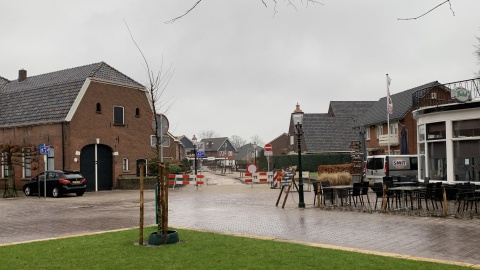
[131, 140]
[410, 124]
[280, 145]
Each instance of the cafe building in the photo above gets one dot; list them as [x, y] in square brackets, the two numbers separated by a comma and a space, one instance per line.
[448, 132]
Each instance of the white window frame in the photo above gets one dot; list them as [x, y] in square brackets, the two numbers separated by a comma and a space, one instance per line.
[165, 143]
[5, 171]
[367, 133]
[27, 163]
[379, 131]
[393, 128]
[125, 166]
[51, 159]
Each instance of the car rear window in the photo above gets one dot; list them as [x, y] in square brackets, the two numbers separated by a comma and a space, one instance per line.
[73, 175]
[375, 163]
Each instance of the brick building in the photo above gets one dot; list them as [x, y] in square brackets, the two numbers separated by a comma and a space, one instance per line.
[94, 118]
[379, 136]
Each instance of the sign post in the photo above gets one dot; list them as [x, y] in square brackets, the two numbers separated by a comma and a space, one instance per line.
[45, 151]
[268, 153]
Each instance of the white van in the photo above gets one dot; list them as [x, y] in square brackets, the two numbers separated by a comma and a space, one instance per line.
[377, 167]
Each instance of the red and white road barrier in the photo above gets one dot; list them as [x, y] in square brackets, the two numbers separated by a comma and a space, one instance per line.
[277, 178]
[185, 179]
[259, 177]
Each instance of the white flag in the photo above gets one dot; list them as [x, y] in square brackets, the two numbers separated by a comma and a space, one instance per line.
[389, 98]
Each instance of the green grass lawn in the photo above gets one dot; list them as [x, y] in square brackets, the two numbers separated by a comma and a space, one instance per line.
[196, 250]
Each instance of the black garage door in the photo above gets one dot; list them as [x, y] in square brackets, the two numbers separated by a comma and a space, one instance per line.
[104, 168]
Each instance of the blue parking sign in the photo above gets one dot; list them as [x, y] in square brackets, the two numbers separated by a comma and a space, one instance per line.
[44, 149]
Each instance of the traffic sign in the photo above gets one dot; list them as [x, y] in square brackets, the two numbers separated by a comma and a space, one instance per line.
[268, 147]
[162, 121]
[44, 149]
[200, 154]
[252, 167]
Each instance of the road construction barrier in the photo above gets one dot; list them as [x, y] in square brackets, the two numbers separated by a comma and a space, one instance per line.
[185, 179]
[277, 177]
[259, 177]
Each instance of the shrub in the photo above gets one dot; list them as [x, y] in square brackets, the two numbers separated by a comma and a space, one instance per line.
[174, 168]
[336, 179]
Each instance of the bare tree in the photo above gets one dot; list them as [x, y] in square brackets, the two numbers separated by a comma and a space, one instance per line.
[15, 156]
[256, 139]
[157, 83]
[237, 141]
[477, 52]
[414, 18]
[207, 134]
[266, 3]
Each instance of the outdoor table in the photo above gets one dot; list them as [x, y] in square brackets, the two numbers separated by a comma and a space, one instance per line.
[336, 190]
[404, 189]
[410, 183]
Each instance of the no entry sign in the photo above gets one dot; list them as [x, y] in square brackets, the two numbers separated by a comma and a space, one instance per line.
[268, 147]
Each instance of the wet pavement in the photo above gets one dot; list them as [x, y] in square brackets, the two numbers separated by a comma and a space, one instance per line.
[226, 205]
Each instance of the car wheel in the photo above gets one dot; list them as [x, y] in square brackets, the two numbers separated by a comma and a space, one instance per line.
[27, 191]
[55, 192]
[80, 193]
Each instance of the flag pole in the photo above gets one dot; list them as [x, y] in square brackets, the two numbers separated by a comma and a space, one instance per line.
[388, 115]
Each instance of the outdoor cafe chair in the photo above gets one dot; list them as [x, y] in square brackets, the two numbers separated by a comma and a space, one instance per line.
[326, 191]
[466, 196]
[356, 193]
[425, 195]
[316, 191]
[378, 189]
[364, 192]
[437, 195]
[388, 181]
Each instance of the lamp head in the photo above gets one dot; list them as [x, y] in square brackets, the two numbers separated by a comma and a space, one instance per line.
[297, 116]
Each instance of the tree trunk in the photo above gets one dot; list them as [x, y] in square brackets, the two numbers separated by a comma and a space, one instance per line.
[10, 190]
[164, 171]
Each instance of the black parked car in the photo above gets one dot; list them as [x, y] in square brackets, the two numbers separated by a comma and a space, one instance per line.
[58, 182]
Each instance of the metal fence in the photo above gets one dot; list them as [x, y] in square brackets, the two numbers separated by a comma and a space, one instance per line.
[420, 99]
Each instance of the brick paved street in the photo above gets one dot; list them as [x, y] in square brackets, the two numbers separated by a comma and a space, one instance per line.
[226, 205]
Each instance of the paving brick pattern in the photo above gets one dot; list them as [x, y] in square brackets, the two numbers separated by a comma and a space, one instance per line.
[227, 206]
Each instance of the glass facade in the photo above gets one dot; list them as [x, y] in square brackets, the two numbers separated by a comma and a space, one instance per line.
[454, 143]
[466, 149]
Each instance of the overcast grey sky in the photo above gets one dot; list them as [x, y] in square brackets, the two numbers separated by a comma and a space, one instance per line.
[240, 70]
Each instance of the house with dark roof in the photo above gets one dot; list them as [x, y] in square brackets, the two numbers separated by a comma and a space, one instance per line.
[330, 132]
[380, 136]
[280, 145]
[221, 150]
[187, 144]
[94, 118]
[248, 152]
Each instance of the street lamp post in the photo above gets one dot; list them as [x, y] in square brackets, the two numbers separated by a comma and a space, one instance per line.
[255, 151]
[194, 140]
[297, 117]
[225, 160]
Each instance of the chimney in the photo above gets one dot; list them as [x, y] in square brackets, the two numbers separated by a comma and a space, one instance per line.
[22, 75]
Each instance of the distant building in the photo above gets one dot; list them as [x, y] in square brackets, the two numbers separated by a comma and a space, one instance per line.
[330, 132]
[221, 150]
